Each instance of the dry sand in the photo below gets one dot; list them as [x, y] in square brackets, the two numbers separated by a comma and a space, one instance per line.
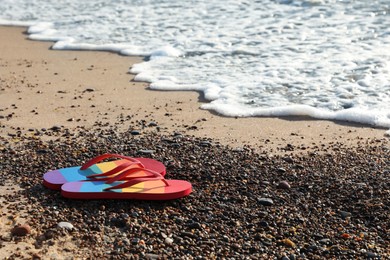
[41, 88]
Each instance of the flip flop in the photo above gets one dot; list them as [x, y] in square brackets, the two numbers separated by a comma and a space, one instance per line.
[125, 186]
[94, 170]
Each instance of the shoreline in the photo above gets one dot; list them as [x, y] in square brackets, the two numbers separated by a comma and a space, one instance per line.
[43, 88]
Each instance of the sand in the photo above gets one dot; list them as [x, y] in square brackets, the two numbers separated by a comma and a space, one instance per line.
[72, 90]
[42, 88]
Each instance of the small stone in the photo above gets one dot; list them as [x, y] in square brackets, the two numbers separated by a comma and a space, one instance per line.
[284, 185]
[89, 90]
[291, 257]
[266, 241]
[264, 183]
[263, 223]
[152, 256]
[168, 240]
[325, 241]
[6, 237]
[372, 255]
[281, 170]
[195, 225]
[312, 248]
[205, 144]
[65, 225]
[49, 234]
[345, 214]
[125, 216]
[135, 132]
[135, 241]
[266, 201]
[146, 151]
[56, 128]
[21, 230]
[152, 124]
[288, 242]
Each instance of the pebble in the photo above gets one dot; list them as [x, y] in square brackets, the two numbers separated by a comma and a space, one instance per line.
[65, 225]
[284, 185]
[6, 237]
[146, 152]
[168, 240]
[56, 128]
[345, 214]
[205, 144]
[325, 241]
[152, 124]
[372, 255]
[288, 159]
[21, 230]
[264, 183]
[195, 225]
[152, 256]
[42, 151]
[312, 248]
[265, 201]
[135, 132]
[263, 224]
[135, 241]
[288, 242]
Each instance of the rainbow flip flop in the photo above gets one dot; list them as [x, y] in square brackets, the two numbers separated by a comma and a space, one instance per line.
[153, 186]
[96, 170]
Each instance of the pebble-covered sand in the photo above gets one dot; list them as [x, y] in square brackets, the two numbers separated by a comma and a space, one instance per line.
[332, 202]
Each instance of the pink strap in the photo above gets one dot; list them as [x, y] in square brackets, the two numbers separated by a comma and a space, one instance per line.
[116, 170]
[135, 181]
[105, 156]
[124, 175]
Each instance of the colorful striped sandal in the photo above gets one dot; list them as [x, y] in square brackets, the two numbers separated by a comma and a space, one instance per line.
[153, 186]
[95, 169]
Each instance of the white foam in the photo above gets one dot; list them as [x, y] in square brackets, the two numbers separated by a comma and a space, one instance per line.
[15, 23]
[166, 51]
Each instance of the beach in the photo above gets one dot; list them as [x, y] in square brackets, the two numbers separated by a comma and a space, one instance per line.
[60, 108]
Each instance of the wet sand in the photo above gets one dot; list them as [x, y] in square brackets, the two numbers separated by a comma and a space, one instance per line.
[42, 88]
[60, 108]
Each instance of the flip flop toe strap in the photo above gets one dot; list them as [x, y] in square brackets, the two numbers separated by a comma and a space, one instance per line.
[154, 176]
[116, 170]
[127, 173]
[135, 181]
[106, 156]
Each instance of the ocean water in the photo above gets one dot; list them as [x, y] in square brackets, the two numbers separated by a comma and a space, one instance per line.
[326, 59]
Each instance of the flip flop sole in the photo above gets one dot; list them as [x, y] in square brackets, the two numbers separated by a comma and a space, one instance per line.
[56, 178]
[150, 190]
